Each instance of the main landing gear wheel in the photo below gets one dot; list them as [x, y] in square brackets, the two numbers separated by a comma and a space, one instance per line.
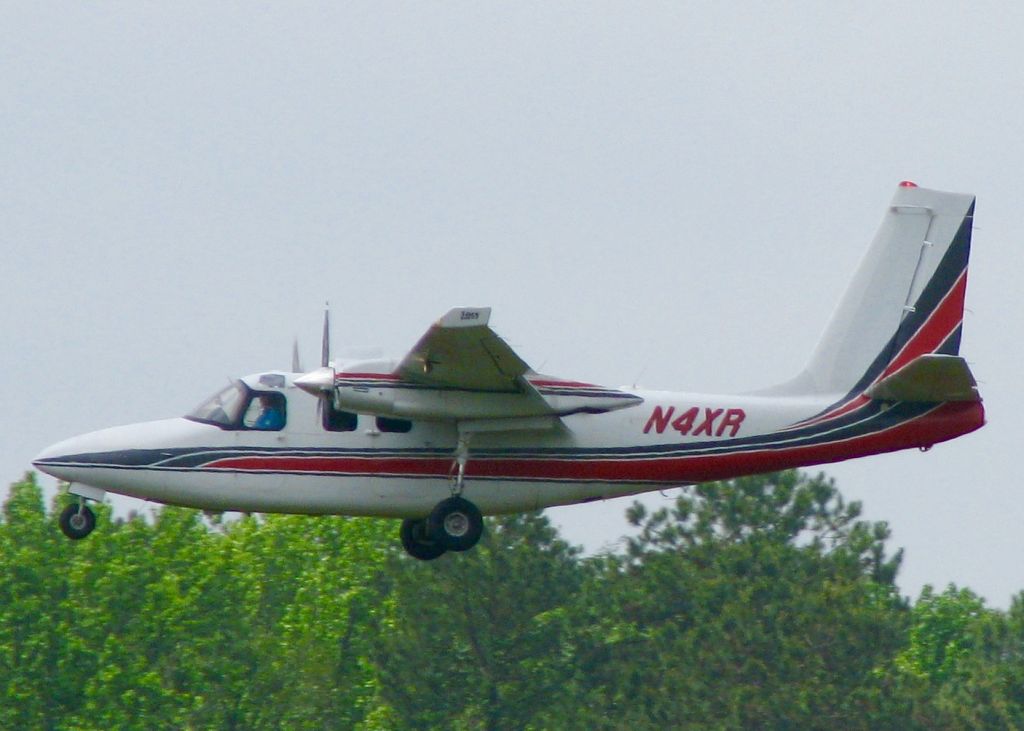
[77, 521]
[456, 524]
[417, 542]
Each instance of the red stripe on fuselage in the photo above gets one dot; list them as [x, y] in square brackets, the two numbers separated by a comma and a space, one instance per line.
[366, 377]
[944, 422]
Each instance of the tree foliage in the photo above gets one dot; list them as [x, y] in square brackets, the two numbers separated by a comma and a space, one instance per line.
[761, 602]
[175, 623]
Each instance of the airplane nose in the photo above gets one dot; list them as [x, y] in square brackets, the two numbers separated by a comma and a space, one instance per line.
[78, 459]
[39, 461]
[58, 459]
[53, 453]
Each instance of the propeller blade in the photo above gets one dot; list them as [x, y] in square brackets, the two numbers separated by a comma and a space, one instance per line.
[325, 349]
[320, 382]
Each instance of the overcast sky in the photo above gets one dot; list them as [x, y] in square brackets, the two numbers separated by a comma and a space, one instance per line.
[671, 195]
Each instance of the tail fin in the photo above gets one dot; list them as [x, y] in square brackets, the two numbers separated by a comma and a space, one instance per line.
[906, 299]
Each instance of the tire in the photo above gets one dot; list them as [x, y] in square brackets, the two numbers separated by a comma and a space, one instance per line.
[417, 542]
[456, 524]
[77, 521]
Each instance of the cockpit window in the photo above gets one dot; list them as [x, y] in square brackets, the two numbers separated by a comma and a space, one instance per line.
[239, 407]
[224, 408]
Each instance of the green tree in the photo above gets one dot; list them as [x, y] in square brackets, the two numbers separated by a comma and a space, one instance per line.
[967, 661]
[476, 641]
[941, 635]
[179, 622]
[316, 672]
[132, 588]
[32, 589]
[760, 602]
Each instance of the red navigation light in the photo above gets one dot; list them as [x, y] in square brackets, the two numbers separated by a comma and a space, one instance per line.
[908, 184]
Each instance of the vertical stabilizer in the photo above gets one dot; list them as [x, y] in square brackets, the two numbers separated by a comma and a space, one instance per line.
[906, 299]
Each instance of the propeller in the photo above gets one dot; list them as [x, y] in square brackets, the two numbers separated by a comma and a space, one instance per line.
[320, 382]
[296, 364]
[325, 342]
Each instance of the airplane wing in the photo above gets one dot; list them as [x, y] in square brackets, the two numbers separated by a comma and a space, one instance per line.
[461, 370]
[461, 351]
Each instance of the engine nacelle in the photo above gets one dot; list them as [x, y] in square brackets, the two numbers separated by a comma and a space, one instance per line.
[374, 388]
[365, 399]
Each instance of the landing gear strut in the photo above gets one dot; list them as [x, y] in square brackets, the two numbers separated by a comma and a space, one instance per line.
[455, 524]
[77, 521]
[459, 466]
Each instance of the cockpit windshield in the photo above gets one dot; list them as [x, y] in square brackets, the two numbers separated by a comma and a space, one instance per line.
[240, 407]
[224, 407]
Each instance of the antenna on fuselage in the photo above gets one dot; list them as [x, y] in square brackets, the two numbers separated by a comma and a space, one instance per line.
[296, 365]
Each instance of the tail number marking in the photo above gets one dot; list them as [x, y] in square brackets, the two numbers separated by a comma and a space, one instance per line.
[696, 421]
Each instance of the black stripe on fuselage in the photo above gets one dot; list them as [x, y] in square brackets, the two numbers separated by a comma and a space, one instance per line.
[871, 418]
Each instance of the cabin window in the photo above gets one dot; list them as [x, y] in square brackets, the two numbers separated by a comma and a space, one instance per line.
[397, 426]
[338, 420]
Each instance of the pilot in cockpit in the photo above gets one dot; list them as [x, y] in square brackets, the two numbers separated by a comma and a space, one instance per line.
[271, 418]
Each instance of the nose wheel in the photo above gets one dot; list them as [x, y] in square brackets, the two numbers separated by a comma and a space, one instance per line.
[77, 521]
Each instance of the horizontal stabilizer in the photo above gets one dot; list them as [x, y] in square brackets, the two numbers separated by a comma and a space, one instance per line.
[929, 378]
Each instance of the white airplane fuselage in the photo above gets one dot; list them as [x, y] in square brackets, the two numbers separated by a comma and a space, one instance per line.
[670, 439]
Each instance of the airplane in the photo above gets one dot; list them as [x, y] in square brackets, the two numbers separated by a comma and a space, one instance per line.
[461, 426]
